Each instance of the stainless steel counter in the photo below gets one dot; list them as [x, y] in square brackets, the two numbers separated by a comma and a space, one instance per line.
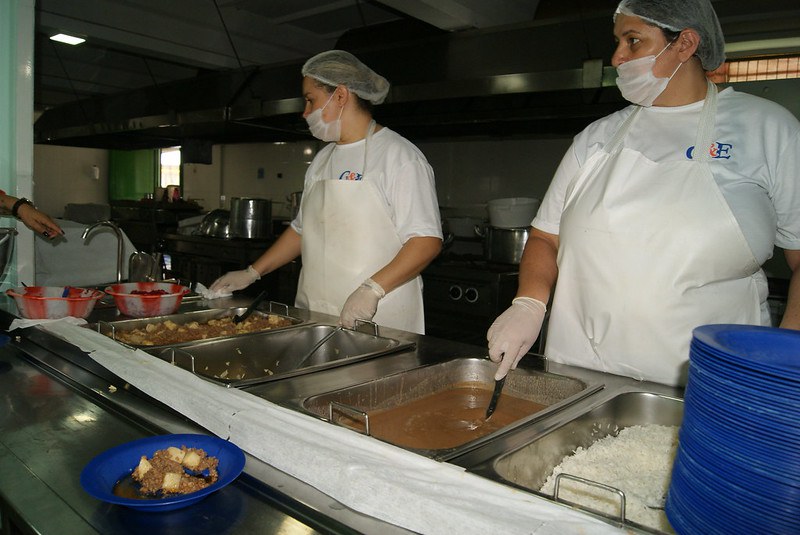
[60, 409]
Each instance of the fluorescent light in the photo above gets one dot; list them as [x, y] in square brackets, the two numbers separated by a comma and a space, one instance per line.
[69, 39]
[765, 44]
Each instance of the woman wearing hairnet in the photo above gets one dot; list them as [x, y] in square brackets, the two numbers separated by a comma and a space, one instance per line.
[660, 215]
[369, 218]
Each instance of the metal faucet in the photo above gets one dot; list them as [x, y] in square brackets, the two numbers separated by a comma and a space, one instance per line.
[113, 226]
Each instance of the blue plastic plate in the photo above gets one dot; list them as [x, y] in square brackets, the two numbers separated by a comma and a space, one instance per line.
[104, 471]
[767, 349]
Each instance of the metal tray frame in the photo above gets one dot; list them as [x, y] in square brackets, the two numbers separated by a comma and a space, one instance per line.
[177, 355]
[479, 369]
[110, 328]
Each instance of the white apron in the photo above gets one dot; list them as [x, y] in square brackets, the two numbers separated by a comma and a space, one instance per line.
[348, 235]
[648, 251]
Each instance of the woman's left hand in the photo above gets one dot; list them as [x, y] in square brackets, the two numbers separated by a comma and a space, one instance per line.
[39, 222]
[362, 304]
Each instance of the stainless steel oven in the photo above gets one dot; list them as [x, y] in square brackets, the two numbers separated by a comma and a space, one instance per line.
[464, 296]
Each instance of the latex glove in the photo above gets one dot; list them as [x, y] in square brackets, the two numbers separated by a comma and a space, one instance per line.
[513, 333]
[362, 304]
[235, 280]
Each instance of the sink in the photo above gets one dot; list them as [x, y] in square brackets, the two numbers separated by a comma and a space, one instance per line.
[270, 355]
[528, 466]
[439, 410]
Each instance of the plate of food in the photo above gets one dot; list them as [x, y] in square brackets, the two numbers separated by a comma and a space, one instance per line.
[164, 472]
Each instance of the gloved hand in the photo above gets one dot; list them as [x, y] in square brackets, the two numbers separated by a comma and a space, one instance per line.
[513, 333]
[362, 303]
[235, 280]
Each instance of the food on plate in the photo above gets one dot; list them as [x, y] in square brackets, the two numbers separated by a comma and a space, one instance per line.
[176, 471]
[168, 332]
[637, 461]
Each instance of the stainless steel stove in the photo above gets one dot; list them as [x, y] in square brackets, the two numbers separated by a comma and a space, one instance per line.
[464, 294]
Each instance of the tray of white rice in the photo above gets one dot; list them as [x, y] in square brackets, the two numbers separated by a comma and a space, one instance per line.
[615, 460]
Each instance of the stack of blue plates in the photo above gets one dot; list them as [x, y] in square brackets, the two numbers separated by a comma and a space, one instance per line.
[737, 469]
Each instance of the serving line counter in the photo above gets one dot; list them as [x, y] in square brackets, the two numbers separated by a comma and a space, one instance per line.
[66, 402]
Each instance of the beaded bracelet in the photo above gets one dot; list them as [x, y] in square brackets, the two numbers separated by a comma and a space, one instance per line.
[20, 202]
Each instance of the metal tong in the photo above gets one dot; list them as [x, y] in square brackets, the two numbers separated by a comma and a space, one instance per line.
[244, 315]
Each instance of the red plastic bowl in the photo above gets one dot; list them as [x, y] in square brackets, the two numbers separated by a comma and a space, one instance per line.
[154, 299]
[54, 302]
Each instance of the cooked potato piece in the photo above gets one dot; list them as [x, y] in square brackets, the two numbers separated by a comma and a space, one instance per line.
[191, 460]
[172, 482]
[176, 454]
[143, 467]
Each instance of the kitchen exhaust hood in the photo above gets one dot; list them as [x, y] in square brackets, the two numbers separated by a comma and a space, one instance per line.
[532, 79]
[548, 78]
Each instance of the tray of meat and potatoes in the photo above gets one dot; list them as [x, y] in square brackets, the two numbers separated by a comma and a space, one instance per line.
[176, 330]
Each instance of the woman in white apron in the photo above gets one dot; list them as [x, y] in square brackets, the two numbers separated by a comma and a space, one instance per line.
[369, 220]
[660, 216]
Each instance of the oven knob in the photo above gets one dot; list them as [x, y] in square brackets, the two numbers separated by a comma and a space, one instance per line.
[471, 294]
[456, 292]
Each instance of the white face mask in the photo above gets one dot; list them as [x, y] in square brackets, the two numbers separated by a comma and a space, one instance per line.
[321, 130]
[637, 82]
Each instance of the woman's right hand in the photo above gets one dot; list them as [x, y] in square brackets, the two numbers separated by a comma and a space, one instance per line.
[235, 280]
[513, 333]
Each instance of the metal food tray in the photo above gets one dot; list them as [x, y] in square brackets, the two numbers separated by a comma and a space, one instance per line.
[110, 328]
[528, 466]
[270, 355]
[551, 390]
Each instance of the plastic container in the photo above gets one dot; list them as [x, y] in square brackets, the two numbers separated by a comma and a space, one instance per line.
[512, 212]
[147, 299]
[54, 302]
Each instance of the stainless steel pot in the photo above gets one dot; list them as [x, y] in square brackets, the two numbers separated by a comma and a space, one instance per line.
[251, 218]
[215, 224]
[503, 245]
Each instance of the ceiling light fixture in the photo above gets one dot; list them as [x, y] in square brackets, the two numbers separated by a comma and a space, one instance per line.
[68, 39]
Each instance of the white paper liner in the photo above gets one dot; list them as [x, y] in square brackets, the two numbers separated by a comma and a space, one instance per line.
[365, 474]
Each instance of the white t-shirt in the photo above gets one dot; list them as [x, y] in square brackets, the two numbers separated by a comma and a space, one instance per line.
[755, 162]
[401, 173]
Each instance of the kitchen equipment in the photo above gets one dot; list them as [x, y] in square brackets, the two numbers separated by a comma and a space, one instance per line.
[463, 296]
[216, 224]
[249, 310]
[294, 200]
[270, 355]
[146, 299]
[144, 267]
[251, 218]
[118, 328]
[102, 474]
[49, 302]
[428, 405]
[512, 212]
[537, 451]
[503, 245]
[498, 388]
[319, 344]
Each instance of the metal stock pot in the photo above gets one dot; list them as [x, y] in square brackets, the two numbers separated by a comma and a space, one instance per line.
[503, 245]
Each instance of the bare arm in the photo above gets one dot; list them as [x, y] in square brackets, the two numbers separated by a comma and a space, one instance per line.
[285, 249]
[412, 258]
[34, 219]
[791, 318]
[538, 269]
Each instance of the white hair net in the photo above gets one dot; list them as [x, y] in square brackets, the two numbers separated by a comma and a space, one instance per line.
[337, 67]
[677, 15]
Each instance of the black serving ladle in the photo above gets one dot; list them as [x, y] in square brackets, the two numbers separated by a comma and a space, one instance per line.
[498, 387]
[257, 301]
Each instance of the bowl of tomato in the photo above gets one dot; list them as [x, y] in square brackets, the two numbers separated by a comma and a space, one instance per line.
[147, 299]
